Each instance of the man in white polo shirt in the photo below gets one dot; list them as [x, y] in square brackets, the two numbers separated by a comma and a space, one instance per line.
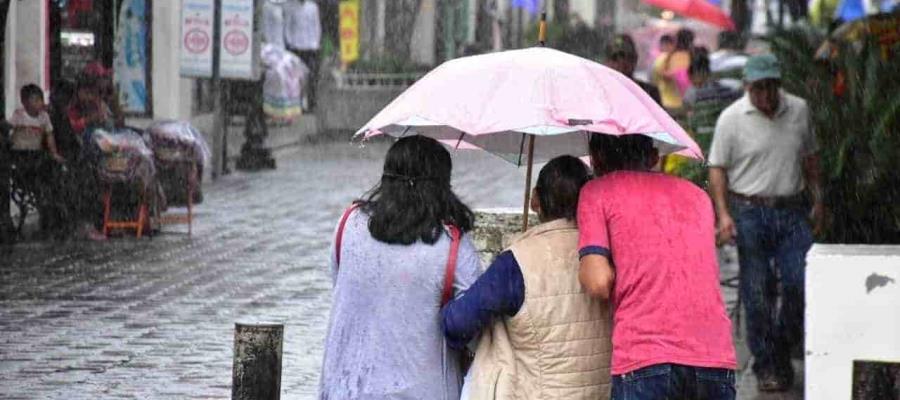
[763, 175]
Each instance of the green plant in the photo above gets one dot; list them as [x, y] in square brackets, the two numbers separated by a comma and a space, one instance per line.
[858, 130]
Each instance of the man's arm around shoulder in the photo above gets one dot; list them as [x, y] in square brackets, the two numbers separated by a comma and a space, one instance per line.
[596, 276]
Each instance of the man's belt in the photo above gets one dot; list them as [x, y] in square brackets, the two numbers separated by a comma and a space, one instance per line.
[797, 200]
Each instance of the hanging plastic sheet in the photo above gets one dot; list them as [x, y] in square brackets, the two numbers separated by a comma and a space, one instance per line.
[283, 85]
[121, 156]
[177, 141]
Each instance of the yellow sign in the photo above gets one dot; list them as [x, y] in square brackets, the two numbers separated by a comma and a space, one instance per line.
[349, 30]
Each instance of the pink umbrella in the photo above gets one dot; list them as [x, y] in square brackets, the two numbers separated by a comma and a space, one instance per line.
[696, 9]
[501, 102]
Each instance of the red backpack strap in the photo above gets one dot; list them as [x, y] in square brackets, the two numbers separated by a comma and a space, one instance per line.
[340, 233]
[450, 272]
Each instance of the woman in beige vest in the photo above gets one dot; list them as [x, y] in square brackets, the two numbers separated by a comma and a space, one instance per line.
[542, 337]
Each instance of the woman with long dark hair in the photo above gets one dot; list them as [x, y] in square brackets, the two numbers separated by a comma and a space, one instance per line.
[392, 268]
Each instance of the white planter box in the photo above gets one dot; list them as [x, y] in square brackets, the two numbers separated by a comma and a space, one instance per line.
[852, 313]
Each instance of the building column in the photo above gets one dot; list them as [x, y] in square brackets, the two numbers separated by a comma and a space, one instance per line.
[25, 49]
[422, 45]
[9, 63]
[172, 94]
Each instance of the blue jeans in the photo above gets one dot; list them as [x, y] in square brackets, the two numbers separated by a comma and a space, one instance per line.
[772, 244]
[674, 382]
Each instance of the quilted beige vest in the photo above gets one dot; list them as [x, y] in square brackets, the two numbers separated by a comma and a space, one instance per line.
[558, 345]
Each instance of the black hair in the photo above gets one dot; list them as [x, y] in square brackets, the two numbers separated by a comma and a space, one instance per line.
[626, 152]
[622, 47]
[86, 81]
[558, 186]
[414, 200]
[699, 64]
[61, 93]
[667, 39]
[30, 90]
[684, 39]
[700, 50]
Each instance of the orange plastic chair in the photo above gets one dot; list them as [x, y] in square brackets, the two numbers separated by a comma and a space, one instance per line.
[188, 217]
[110, 224]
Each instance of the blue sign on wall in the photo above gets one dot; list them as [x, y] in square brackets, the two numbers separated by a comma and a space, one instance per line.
[132, 61]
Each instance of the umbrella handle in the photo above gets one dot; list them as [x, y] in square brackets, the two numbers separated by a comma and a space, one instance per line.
[542, 29]
[528, 170]
[542, 38]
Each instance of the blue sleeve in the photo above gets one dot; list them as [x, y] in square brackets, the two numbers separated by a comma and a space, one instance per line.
[500, 292]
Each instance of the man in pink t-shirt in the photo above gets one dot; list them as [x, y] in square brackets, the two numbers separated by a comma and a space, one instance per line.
[647, 243]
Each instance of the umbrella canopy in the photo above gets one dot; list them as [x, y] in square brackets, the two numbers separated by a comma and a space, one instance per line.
[494, 101]
[696, 9]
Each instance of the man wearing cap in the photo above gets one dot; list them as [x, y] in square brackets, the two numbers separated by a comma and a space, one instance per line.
[763, 175]
[622, 56]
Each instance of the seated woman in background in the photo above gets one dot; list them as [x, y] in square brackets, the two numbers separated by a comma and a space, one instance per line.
[392, 268]
[543, 336]
[88, 108]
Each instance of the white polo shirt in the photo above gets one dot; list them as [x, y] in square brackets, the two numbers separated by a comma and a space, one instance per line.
[28, 132]
[763, 156]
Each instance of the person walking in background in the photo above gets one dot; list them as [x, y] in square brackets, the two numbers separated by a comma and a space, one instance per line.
[303, 34]
[762, 159]
[543, 337]
[393, 269]
[647, 243]
[670, 75]
[729, 59]
[705, 100]
[666, 46]
[273, 23]
[622, 56]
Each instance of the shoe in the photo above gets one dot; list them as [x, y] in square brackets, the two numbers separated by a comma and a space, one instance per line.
[786, 376]
[91, 233]
[96, 236]
[771, 383]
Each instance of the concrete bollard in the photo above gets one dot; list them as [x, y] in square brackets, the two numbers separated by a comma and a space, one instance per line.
[257, 362]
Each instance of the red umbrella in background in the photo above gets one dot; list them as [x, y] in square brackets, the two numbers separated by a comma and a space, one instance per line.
[697, 9]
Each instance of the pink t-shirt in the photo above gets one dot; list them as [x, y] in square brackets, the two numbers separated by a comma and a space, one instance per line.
[658, 230]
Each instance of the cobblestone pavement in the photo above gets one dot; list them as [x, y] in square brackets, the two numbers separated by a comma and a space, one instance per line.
[154, 318]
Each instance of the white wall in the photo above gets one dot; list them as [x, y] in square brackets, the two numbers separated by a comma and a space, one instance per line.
[26, 49]
[172, 94]
[9, 63]
[848, 317]
[585, 9]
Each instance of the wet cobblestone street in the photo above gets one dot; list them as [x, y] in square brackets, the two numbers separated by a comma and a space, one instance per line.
[154, 318]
